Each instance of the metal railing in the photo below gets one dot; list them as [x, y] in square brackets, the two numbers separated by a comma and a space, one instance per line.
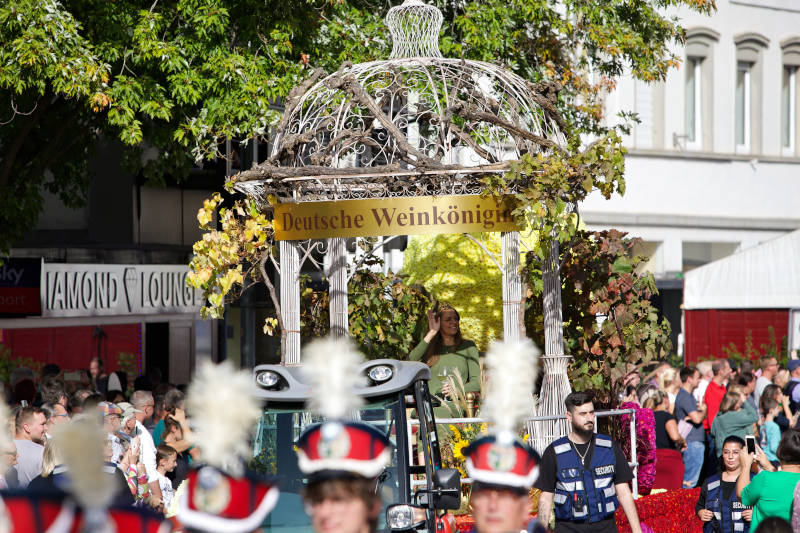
[634, 464]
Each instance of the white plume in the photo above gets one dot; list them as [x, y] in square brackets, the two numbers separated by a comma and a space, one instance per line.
[332, 368]
[80, 445]
[223, 413]
[512, 375]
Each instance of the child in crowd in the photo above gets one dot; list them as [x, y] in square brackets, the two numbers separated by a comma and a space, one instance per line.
[770, 433]
[166, 459]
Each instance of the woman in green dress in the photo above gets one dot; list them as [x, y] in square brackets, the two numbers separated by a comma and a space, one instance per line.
[445, 351]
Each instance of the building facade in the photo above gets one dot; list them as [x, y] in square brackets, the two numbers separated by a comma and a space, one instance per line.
[108, 280]
[714, 165]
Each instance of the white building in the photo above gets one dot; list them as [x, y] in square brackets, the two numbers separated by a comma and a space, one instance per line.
[714, 166]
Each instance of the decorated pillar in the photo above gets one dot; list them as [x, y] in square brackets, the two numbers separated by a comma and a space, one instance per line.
[337, 280]
[512, 285]
[555, 382]
[290, 301]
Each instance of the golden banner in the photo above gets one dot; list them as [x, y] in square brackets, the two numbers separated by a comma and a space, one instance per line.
[394, 216]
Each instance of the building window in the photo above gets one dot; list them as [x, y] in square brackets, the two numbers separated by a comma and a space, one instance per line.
[699, 87]
[790, 52]
[743, 90]
[694, 101]
[788, 108]
[749, 93]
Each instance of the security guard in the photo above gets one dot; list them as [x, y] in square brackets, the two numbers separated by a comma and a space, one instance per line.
[718, 506]
[585, 475]
[341, 459]
[501, 466]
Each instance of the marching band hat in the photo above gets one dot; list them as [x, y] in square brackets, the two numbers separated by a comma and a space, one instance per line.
[219, 502]
[55, 512]
[333, 449]
[502, 460]
[221, 496]
[338, 447]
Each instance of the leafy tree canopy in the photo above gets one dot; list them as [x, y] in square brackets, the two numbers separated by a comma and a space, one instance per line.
[182, 76]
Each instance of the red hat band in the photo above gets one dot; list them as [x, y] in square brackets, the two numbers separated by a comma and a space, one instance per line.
[343, 446]
[28, 513]
[215, 501]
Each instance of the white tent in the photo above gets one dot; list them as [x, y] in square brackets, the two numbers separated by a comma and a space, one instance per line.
[766, 276]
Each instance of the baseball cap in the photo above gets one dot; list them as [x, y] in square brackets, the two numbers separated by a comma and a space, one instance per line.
[793, 364]
[108, 408]
[128, 408]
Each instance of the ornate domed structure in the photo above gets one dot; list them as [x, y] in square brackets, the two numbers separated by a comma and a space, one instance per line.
[414, 114]
[417, 124]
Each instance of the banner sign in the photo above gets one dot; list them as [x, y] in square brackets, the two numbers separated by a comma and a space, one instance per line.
[19, 287]
[393, 216]
[72, 290]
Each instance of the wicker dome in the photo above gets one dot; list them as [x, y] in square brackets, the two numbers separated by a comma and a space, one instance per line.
[416, 112]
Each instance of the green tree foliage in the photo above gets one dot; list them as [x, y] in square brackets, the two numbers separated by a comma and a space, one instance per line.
[182, 76]
[601, 278]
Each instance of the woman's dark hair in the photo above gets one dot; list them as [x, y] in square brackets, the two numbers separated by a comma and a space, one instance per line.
[169, 424]
[115, 396]
[789, 448]
[435, 347]
[735, 439]
[575, 399]
[770, 391]
[774, 524]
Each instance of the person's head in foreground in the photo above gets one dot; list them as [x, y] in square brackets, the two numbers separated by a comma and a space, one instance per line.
[774, 524]
[343, 504]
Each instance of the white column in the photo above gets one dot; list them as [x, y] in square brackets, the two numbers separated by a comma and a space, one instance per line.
[553, 321]
[512, 285]
[555, 383]
[337, 288]
[290, 301]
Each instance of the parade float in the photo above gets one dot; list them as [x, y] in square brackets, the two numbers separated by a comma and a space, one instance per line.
[417, 144]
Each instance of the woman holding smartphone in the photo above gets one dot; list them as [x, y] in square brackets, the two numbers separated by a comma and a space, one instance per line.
[771, 492]
[447, 353]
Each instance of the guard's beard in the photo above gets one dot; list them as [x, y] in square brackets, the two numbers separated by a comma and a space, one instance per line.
[583, 433]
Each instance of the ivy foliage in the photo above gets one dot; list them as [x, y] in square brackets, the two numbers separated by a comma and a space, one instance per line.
[386, 313]
[601, 277]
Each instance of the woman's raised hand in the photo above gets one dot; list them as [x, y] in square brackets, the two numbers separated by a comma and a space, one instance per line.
[434, 322]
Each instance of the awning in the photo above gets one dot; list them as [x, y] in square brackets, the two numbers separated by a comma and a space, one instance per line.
[766, 276]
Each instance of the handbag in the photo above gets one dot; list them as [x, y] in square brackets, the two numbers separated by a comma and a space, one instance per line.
[684, 428]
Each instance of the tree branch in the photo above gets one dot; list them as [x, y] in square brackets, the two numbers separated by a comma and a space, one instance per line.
[10, 153]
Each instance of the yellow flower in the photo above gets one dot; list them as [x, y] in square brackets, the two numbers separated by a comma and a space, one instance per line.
[458, 449]
[456, 432]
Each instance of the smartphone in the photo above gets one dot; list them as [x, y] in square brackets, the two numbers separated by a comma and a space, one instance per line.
[750, 441]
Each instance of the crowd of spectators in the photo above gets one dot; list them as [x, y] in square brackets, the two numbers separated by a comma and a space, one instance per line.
[730, 429]
[149, 443]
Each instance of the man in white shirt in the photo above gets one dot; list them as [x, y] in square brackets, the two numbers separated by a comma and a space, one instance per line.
[30, 425]
[706, 375]
[769, 369]
[143, 402]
